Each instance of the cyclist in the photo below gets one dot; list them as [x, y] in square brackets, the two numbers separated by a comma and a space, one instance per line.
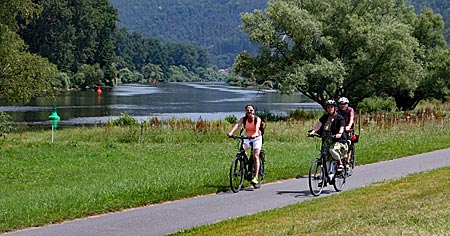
[251, 123]
[349, 115]
[331, 125]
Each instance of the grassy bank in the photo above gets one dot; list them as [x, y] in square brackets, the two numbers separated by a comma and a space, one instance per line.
[88, 171]
[414, 205]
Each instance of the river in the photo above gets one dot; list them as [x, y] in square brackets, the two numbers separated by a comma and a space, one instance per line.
[208, 101]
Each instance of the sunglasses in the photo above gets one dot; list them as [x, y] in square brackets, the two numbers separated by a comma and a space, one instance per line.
[249, 110]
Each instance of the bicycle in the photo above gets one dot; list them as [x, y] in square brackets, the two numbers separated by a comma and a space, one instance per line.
[322, 172]
[242, 166]
[351, 149]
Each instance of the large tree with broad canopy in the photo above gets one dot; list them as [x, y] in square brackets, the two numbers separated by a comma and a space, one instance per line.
[326, 49]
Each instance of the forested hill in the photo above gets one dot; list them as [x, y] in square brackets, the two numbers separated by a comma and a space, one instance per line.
[210, 23]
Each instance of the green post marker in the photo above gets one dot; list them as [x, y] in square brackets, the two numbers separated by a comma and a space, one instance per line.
[54, 119]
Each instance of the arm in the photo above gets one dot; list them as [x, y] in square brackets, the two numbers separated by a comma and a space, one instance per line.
[339, 134]
[316, 128]
[341, 125]
[236, 126]
[350, 123]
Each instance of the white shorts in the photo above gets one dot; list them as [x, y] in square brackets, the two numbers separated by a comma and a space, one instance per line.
[257, 142]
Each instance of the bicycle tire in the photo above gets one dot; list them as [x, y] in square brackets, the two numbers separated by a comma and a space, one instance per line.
[339, 179]
[262, 170]
[316, 177]
[352, 162]
[236, 174]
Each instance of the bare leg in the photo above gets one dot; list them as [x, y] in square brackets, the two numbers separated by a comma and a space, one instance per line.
[256, 158]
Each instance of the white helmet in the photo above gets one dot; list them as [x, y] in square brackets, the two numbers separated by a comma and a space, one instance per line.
[343, 100]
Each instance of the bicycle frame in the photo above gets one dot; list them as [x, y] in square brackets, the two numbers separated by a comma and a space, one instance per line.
[321, 173]
[247, 160]
[323, 156]
[242, 166]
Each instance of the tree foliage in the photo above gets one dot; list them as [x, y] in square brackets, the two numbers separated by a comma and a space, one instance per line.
[441, 7]
[357, 49]
[22, 74]
[158, 61]
[210, 24]
[213, 24]
[74, 33]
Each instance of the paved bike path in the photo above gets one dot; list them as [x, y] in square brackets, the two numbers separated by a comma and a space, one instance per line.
[170, 217]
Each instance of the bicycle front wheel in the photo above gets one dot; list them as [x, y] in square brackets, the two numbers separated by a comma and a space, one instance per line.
[262, 170]
[316, 177]
[340, 179]
[236, 174]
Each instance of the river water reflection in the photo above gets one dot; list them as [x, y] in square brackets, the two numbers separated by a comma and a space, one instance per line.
[208, 101]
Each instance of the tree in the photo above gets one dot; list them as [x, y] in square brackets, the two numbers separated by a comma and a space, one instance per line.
[125, 76]
[158, 61]
[89, 76]
[433, 55]
[22, 75]
[74, 33]
[327, 49]
[153, 72]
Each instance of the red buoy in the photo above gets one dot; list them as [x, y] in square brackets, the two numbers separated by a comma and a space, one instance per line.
[99, 90]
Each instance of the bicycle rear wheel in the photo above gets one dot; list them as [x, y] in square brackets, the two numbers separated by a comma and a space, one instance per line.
[316, 177]
[339, 179]
[352, 162]
[262, 170]
[236, 174]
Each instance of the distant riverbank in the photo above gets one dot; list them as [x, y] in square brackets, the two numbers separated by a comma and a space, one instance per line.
[194, 101]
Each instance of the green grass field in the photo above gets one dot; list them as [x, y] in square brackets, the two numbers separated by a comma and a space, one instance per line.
[414, 205]
[89, 171]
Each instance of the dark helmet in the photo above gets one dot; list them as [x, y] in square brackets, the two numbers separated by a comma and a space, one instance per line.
[330, 102]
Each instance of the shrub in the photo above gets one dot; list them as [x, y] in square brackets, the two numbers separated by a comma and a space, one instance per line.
[6, 124]
[377, 104]
[268, 116]
[124, 120]
[232, 119]
[302, 115]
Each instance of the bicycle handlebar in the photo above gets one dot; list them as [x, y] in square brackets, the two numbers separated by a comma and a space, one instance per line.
[321, 136]
[241, 137]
